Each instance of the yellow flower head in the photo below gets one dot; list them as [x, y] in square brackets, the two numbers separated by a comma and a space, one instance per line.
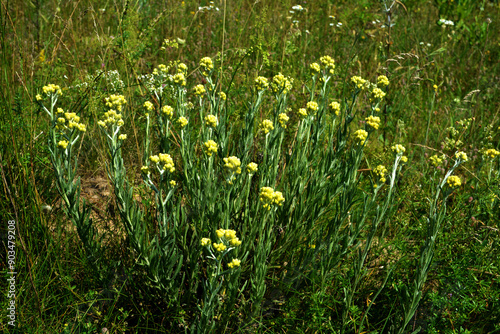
[266, 126]
[382, 81]
[283, 119]
[454, 181]
[155, 159]
[398, 149]
[211, 120]
[38, 97]
[149, 106]
[378, 93]
[115, 101]
[312, 106]
[436, 160]
[269, 197]
[62, 144]
[182, 68]
[461, 156]
[122, 137]
[373, 121]
[182, 121]
[360, 136]
[145, 170]
[315, 68]
[222, 96]
[168, 110]
[281, 84]
[359, 82]
[205, 242]
[233, 164]
[210, 147]
[219, 247]
[302, 113]
[261, 83]
[179, 79]
[52, 89]
[328, 63]
[167, 161]
[335, 107]
[172, 183]
[491, 153]
[206, 65]
[234, 263]
[252, 168]
[199, 90]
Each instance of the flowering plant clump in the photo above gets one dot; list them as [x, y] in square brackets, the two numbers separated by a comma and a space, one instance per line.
[269, 197]
[210, 147]
[266, 126]
[454, 181]
[360, 136]
[373, 121]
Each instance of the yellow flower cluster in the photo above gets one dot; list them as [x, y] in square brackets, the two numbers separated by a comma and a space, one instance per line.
[220, 247]
[228, 236]
[266, 126]
[373, 121]
[335, 107]
[234, 263]
[115, 101]
[182, 68]
[149, 106]
[461, 156]
[436, 160]
[382, 81]
[381, 172]
[261, 83]
[398, 149]
[182, 121]
[378, 93]
[454, 181]
[205, 242]
[145, 170]
[283, 119]
[111, 117]
[252, 168]
[206, 65]
[233, 164]
[164, 159]
[62, 144]
[172, 183]
[73, 120]
[312, 106]
[210, 147]
[168, 110]
[281, 84]
[211, 120]
[359, 82]
[360, 136]
[122, 137]
[491, 153]
[51, 88]
[199, 90]
[328, 62]
[302, 113]
[269, 197]
[315, 68]
[179, 79]
[222, 96]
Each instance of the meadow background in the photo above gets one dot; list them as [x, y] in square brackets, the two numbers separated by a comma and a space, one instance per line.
[442, 98]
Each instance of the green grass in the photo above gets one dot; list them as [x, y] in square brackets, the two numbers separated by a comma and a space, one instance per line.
[337, 256]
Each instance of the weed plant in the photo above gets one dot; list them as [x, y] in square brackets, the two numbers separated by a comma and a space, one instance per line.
[250, 167]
